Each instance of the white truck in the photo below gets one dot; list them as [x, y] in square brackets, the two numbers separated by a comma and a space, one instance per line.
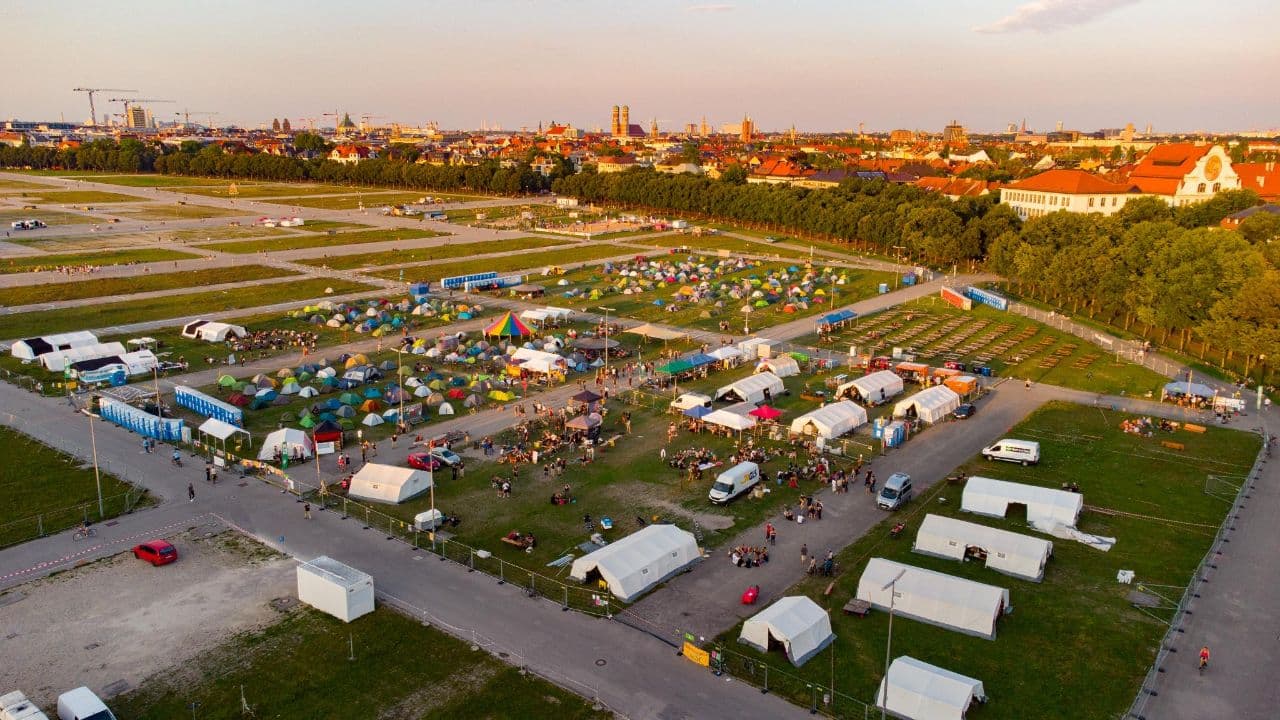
[82, 704]
[733, 482]
[16, 706]
[688, 401]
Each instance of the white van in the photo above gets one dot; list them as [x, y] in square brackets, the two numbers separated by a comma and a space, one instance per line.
[897, 491]
[15, 706]
[1026, 452]
[82, 704]
[733, 482]
[689, 401]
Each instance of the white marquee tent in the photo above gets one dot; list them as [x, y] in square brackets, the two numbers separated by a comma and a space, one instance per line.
[920, 691]
[799, 624]
[1011, 553]
[639, 561]
[289, 441]
[872, 389]
[1046, 507]
[830, 421]
[726, 353]
[781, 365]
[751, 388]
[731, 420]
[929, 405]
[211, 331]
[32, 348]
[389, 483]
[539, 361]
[936, 598]
[58, 360]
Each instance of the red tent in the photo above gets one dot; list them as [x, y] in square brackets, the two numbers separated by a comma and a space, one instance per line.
[766, 412]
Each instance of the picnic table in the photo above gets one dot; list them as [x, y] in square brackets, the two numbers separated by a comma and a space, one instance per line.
[857, 607]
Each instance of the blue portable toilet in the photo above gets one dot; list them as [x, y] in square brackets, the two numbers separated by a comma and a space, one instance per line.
[909, 279]
[884, 288]
[877, 428]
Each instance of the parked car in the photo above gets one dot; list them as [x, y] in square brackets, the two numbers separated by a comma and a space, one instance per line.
[82, 704]
[445, 455]
[965, 411]
[895, 493]
[156, 552]
[425, 461]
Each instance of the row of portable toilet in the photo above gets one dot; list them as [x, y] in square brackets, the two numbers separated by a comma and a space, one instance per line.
[891, 432]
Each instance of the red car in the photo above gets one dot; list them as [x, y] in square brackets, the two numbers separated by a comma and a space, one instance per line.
[425, 461]
[156, 552]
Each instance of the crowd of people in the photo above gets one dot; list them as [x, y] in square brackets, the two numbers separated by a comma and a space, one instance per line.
[266, 342]
[1145, 426]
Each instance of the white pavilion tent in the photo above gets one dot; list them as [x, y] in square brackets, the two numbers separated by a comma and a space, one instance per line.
[639, 561]
[830, 421]
[873, 388]
[1046, 507]
[751, 388]
[1011, 553]
[389, 483]
[919, 691]
[799, 624]
[933, 597]
[930, 405]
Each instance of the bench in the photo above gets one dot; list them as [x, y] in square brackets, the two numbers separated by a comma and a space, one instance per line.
[830, 586]
[522, 543]
[1192, 427]
[1173, 445]
[857, 607]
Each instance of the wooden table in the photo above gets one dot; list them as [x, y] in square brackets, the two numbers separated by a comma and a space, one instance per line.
[857, 607]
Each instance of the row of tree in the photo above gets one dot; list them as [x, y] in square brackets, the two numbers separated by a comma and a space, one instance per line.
[126, 156]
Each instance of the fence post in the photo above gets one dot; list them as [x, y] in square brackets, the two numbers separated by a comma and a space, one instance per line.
[565, 608]
[344, 508]
[765, 690]
[471, 559]
[366, 518]
[40, 525]
[502, 574]
[391, 533]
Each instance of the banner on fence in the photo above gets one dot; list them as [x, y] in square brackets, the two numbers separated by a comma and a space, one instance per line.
[696, 655]
[955, 298]
[326, 448]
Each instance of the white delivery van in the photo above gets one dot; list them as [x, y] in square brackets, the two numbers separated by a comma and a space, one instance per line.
[82, 704]
[688, 401]
[1026, 452]
[896, 492]
[733, 482]
[16, 706]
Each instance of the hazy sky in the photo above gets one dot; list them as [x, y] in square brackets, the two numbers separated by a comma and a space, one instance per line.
[1178, 64]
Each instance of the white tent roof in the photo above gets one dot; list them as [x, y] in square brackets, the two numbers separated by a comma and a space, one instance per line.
[933, 597]
[732, 420]
[931, 405]
[557, 312]
[535, 315]
[752, 387]
[728, 352]
[1012, 553]
[286, 439]
[140, 361]
[30, 348]
[797, 622]
[60, 359]
[1046, 507]
[389, 483]
[781, 365]
[830, 421]
[654, 332]
[640, 560]
[869, 387]
[920, 691]
[538, 360]
[219, 429]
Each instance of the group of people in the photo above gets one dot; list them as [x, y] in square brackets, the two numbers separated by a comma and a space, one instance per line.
[264, 341]
[749, 556]
[1145, 426]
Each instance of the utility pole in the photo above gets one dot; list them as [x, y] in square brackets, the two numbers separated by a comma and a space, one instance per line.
[97, 476]
[606, 341]
[892, 587]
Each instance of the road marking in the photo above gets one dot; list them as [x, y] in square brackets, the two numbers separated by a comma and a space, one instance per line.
[50, 564]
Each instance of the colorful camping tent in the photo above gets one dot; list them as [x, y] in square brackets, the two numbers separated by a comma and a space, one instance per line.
[508, 326]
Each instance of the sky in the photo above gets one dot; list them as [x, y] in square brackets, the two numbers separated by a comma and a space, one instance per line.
[1180, 65]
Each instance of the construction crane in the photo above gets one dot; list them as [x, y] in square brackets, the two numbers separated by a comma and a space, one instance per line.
[93, 112]
[310, 121]
[364, 121]
[127, 101]
[186, 116]
[337, 118]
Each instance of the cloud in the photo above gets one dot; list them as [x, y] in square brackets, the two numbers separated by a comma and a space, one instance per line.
[718, 7]
[1048, 16]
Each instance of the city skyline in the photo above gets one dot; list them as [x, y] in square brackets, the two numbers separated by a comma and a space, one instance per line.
[819, 66]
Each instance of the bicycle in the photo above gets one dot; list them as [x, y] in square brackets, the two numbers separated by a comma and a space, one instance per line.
[83, 533]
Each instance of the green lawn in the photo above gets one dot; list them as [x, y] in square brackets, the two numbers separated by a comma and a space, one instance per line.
[1074, 647]
[175, 212]
[533, 262]
[373, 201]
[712, 243]
[60, 490]
[300, 667]
[1034, 351]
[153, 180]
[7, 185]
[437, 252]
[48, 217]
[249, 190]
[102, 259]
[327, 225]
[109, 315]
[80, 197]
[222, 232]
[104, 287]
[298, 242]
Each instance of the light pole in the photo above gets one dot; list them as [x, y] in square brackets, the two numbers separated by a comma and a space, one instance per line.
[892, 587]
[93, 441]
[897, 271]
[606, 341]
[400, 384]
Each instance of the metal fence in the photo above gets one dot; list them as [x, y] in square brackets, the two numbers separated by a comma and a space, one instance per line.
[1168, 644]
[814, 696]
[1127, 349]
[55, 521]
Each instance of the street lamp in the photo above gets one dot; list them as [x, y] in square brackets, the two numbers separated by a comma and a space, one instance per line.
[897, 271]
[400, 384]
[606, 341]
[93, 441]
[892, 587]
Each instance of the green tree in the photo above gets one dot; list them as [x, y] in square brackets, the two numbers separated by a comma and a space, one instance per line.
[735, 174]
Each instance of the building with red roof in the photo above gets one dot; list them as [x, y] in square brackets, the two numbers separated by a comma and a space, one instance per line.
[1260, 177]
[1184, 173]
[1070, 190]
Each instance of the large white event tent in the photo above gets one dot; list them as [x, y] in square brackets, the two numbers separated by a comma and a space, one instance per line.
[389, 483]
[830, 421]
[872, 389]
[59, 360]
[209, 331]
[1011, 553]
[731, 420]
[919, 691]
[1046, 507]
[751, 388]
[32, 348]
[797, 623]
[639, 561]
[780, 365]
[929, 405]
[289, 441]
[539, 361]
[933, 597]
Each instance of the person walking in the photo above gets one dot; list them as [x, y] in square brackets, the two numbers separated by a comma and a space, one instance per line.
[306, 510]
[804, 553]
[191, 492]
[208, 473]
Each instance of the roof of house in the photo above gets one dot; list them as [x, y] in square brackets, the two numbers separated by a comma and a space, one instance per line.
[1260, 177]
[1172, 160]
[1270, 208]
[1071, 182]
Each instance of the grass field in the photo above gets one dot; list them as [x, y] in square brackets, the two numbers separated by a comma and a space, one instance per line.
[1074, 647]
[372, 200]
[40, 481]
[104, 287]
[327, 225]
[712, 243]
[438, 252]
[80, 197]
[251, 191]
[534, 262]
[222, 232]
[175, 212]
[102, 259]
[152, 180]
[7, 185]
[110, 315]
[1036, 351]
[50, 218]
[299, 242]
[300, 668]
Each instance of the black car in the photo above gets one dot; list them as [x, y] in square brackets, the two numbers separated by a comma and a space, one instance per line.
[964, 411]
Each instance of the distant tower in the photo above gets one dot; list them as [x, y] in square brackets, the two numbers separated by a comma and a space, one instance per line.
[275, 124]
[1148, 132]
[613, 128]
[1024, 126]
[704, 130]
[285, 126]
[747, 129]
[793, 133]
[624, 125]
[653, 129]
[1058, 126]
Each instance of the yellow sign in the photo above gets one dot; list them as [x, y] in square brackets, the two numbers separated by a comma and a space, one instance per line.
[697, 655]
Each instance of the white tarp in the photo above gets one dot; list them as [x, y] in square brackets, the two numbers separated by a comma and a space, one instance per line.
[32, 348]
[140, 361]
[653, 332]
[1046, 507]
[929, 405]
[536, 316]
[727, 352]
[782, 366]
[920, 691]
[219, 429]
[389, 483]
[933, 597]
[1011, 553]
[289, 441]
[58, 360]
[639, 561]
[798, 623]
[751, 388]
[539, 361]
[731, 420]
[872, 389]
[830, 421]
